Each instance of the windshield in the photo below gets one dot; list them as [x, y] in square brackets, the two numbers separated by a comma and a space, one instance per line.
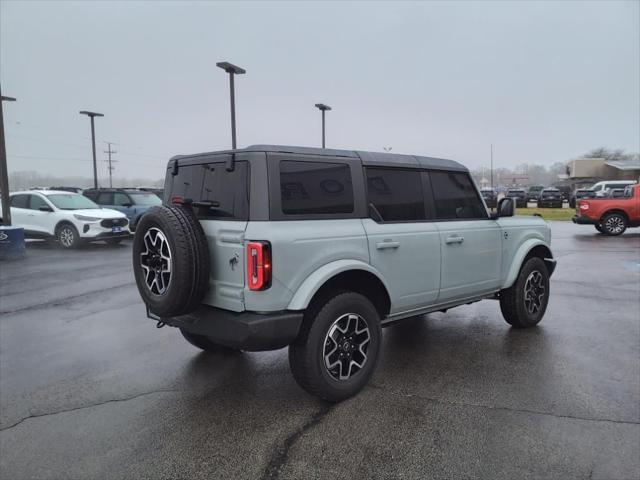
[71, 201]
[145, 198]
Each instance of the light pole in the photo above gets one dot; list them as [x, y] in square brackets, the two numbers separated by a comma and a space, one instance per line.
[323, 108]
[4, 171]
[232, 70]
[92, 115]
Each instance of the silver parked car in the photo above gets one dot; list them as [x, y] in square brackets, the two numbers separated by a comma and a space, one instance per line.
[318, 249]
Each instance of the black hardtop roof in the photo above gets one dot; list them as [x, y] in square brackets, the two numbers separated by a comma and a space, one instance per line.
[367, 158]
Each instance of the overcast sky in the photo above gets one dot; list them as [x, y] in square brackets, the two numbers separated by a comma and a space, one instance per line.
[543, 81]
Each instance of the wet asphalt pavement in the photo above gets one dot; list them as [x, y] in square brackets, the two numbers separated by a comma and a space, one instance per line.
[89, 388]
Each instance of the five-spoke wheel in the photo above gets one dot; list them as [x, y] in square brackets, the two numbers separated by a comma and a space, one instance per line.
[345, 346]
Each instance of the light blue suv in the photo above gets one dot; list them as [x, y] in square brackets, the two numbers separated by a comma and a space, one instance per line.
[132, 202]
[318, 249]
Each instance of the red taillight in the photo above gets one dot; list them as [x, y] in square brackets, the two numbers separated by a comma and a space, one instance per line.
[259, 265]
[177, 200]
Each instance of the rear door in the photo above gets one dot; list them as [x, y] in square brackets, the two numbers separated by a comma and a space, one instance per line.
[470, 241]
[123, 203]
[20, 210]
[403, 244]
[221, 203]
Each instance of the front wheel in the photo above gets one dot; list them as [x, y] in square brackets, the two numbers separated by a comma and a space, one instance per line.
[523, 305]
[614, 224]
[67, 236]
[337, 349]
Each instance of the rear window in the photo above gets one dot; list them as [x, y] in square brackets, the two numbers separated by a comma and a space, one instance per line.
[315, 188]
[217, 193]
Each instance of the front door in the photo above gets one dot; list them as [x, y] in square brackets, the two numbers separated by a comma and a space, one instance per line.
[470, 241]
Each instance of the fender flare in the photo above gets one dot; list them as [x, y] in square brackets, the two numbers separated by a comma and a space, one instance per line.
[317, 279]
[519, 257]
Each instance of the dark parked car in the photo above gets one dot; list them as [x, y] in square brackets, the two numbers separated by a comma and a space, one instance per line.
[132, 202]
[490, 197]
[565, 190]
[159, 192]
[550, 197]
[579, 194]
[534, 193]
[519, 195]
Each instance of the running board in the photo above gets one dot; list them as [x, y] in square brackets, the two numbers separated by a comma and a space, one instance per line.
[438, 307]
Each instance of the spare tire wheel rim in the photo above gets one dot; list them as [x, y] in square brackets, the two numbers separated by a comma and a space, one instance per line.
[155, 261]
[534, 292]
[346, 345]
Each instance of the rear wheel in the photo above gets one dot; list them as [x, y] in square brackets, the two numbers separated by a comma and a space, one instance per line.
[337, 349]
[614, 224]
[204, 343]
[523, 305]
[67, 236]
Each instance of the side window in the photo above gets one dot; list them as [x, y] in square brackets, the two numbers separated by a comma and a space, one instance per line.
[455, 196]
[315, 188]
[37, 202]
[105, 198]
[20, 201]
[91, 195]
[121, 199]
[396, 194]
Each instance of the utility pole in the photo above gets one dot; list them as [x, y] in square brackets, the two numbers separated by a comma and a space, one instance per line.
[492, 166]
[111, 168]
[4, 170]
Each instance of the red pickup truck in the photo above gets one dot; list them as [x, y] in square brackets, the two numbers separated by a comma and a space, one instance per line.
[610, 216]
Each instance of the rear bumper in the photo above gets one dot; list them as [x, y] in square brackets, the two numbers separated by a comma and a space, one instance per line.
[246, 331]
[582, 220]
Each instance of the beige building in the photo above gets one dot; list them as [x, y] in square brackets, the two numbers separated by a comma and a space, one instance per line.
[583, 171]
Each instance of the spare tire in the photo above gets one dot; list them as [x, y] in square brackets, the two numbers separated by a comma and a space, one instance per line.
[171, 260]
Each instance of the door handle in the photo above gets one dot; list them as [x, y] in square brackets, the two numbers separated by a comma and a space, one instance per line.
[387, 244]
[454, 239]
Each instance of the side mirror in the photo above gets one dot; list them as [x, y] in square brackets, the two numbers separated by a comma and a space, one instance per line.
[45, 208]
[506, 207]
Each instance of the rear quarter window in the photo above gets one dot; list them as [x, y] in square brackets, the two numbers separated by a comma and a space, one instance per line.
[311, 188]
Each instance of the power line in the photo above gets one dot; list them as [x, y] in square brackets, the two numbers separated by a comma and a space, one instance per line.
[111, 162]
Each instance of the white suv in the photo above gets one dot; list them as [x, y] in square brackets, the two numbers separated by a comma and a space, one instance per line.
[68, 217]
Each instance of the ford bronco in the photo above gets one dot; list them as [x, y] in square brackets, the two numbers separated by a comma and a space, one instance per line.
[318, 249]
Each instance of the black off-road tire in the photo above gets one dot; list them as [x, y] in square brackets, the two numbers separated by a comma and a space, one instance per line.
[204, 343]
[67, 236]
[306, 354]
[189, 254]
[614, 224]
[513, 300]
